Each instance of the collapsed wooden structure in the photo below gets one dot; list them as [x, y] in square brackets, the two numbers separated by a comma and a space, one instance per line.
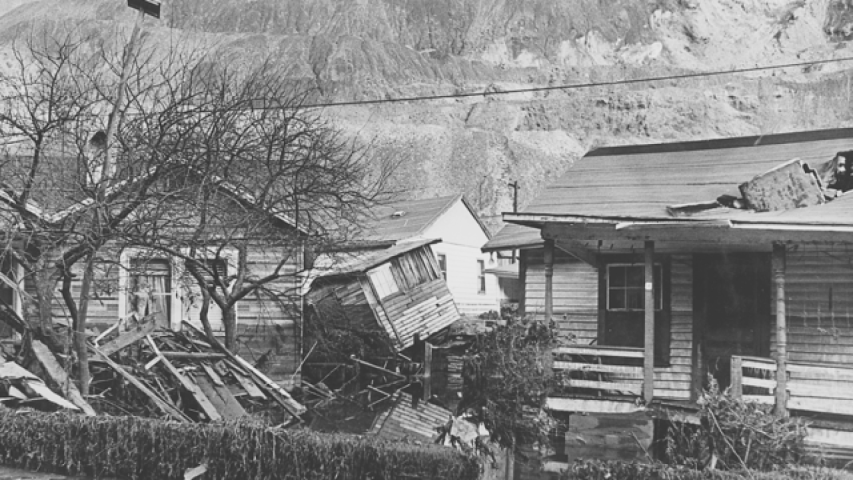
[641, 254]
[181, 375]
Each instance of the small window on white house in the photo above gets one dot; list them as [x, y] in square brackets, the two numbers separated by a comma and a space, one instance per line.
[481, 276]
[442, 265]
[383, 281]
[149, 288]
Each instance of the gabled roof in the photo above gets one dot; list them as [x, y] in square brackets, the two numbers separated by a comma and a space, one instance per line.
[637, 183]
[396, 221]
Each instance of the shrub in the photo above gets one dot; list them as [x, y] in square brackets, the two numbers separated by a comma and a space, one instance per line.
[138, 448]
[739, 434]
[598, 470]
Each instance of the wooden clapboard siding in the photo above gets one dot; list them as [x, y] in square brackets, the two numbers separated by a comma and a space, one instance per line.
[674, 382]
[575, 294]
[819, 291]
[576, 311]
[425, 309]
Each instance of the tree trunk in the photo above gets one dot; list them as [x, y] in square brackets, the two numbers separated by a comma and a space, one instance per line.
[229, 321]
[80, 343]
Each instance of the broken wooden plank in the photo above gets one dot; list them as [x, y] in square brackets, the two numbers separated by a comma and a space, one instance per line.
[248, 385]
[159, 402]
[194, 355]
[222, 399]
[188, 385]
[59, 377]
[129, 338]
[276, 391]
[212, 374]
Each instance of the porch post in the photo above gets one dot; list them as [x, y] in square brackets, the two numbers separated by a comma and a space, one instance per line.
[549, 279]
[781, 330]
[649, 343]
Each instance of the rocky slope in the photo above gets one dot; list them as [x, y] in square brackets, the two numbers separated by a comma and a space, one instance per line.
[373, 49]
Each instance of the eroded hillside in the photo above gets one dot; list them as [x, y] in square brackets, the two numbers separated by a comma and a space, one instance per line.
[374, 49]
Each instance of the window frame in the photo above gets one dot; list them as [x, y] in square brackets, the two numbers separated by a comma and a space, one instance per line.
[175, 305]
[441, 258]
[383, 272]
[658, 277]
[481, 277]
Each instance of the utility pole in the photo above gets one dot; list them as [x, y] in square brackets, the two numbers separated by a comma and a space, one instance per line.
[515, 188]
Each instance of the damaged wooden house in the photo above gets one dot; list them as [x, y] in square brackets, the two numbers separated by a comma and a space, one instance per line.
[397, 292]
[664, 264]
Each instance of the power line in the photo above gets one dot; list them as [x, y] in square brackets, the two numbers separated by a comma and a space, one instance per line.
[572, 86]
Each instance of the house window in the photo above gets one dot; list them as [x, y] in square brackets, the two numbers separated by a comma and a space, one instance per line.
[626, 287]
[481, 276]
[442, 265]
[383, 281]
[10, 285]
[149, 288]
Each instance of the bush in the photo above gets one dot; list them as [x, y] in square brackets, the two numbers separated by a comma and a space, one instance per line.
[597, 470]
[739, 434]
[138, 448]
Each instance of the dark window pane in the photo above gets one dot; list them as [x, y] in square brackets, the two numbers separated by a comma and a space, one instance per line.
[617, 276]
[617, 299]
[635, 298]
[635, 276]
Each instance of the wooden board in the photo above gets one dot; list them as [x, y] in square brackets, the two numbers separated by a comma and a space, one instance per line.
[188, 385]
[128, 338]
[623, 352]
[248, 385]
[225, 403]
[592, 367]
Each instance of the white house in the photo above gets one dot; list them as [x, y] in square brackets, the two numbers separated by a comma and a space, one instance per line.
[463, 265]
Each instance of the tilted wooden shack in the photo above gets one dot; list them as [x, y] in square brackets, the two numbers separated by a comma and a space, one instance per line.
[398, 291]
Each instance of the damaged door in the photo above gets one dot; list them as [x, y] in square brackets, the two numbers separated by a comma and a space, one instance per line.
[732, 311]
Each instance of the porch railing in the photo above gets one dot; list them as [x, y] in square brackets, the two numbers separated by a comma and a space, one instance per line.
[600, 370]
[812, 387]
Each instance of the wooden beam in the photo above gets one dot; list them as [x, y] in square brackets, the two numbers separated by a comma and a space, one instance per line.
[59, 377]
[194, 355]
[427, 371]
[129, 338]
[738, 234]
[167, 408]
[781, 330]
[186, 383]
[649, 307]
[577, 250]
[522, 282]
[737, 377]
[549, 279]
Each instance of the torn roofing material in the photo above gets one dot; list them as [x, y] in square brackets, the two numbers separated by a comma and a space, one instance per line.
[638, 183]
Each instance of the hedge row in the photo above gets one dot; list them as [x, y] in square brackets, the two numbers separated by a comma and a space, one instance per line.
[138, 448]
[597, 470]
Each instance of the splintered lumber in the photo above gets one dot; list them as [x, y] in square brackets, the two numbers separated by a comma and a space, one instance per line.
[212, 374]
[13, 371]
[248, 385]
[190, 386]
[784, 187]
[59, 377]
[129, 338]
[221, 397]
[159, 402]
[194, 355]
[276, 391]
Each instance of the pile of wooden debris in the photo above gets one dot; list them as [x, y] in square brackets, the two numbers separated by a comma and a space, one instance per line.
[143, 370]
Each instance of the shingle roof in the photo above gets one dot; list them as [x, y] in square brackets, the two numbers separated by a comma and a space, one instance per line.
[410, 218]
[639, 182]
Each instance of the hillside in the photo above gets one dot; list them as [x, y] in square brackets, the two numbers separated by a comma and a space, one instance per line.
[373, 49]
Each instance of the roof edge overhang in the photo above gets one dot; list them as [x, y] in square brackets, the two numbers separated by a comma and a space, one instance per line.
[722, 231]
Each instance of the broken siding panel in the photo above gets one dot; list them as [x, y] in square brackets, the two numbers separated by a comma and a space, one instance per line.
[427, 308]
[402, 421]
[819, 290]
